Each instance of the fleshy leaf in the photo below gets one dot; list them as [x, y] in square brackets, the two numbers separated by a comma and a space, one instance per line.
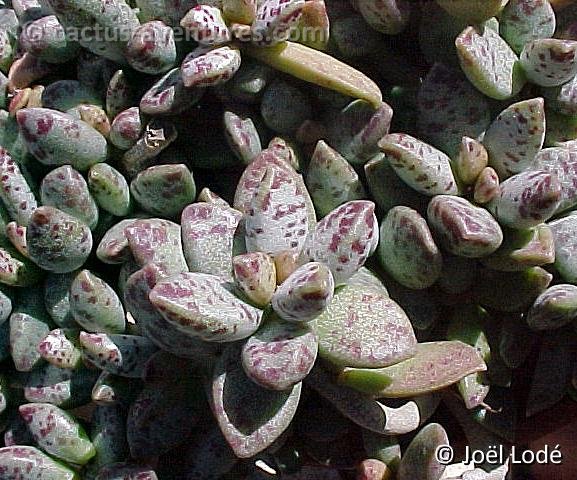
[26, 332]
[421, 166]
[435, 366]
[450, 108]
[489, 63]
[255, 275]
[59, 350]
[389, 17]
[420, 459]
[199, 304]
[565, 237]
[15, 192]
[554, 308]
[280, 355]
[209, 69]
[250, 417]
[462, 228]
[274, 19]
[516, 137]
[523, 21]
[363, 327]
[304, 294]
[109, 189]
[242, 137]
[550, 62]
[17, 459]
[407, 250]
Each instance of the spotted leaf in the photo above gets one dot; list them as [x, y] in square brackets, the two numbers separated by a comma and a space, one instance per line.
[255, 274]
[209, 69]
[523, 21]
[59, 348]
[389, 17]
[550, 62]
[15, 192]
[274, 19]
[554, 308]
[17, 459]
[206, 25]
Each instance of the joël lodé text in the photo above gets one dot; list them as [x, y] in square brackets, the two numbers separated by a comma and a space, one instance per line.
[498, 455]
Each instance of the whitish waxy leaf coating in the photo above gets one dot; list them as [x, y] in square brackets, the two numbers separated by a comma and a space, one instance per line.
[277, 218]
[527, 199]
[516, 137]
[65, 189]
[109, 188]
[421, 166]
[95, 305]
[407, 250]
[156, 241]
[435, 366]
[206, 25]
[550, 62]
[17, 459]
[565, 237]
[462, 228]
[56, 348]
[450, 108]
[242, 137]
[209, 69]
[57, 432]
[305, 293]
[420, 460]
[331, 180]
[554, 308]
[274, 18]
[123, 355]
[56, 138]
[280, 355]
[471, 160]
[164, 190]
[489, 63]
[487, 186]
[25, 334]
[57, 241]
[207, 238]
[389, 17]
[151, 49]
[562, 162]
[250, 417]
[255, 274]
[198, 304]
[523, 21]
[344, 239]
[363, 327]
[15, 192]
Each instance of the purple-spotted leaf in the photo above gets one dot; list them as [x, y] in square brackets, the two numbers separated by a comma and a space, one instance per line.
[462, 228]
[109, 189]
[471, 160]
[95, 305]
[207, 238]
[126, 128]
[363, 327]
[164, 190]
[251, 178]
[162, 333]
[211, 68]
[57, 432]
[550, 62]
[108, 435]
[26, 332]
[450, 108]
[206, 195]
[421, 459]
[331, 180]
[435, 366]
[305, 293]
[169, 96]
[562, 162]
[17, 236]
[389, 16]
[516, 137]
[151, 48]
[19, 458]
[487, 186]
[56, 138]
[242, 137]
[16, 269]
[59, 348]
[123, 355]
[277, 217]
[523, 21]
[64, 188]
[407, 249]
[255, 275]
[527, 199]
[274, 19]
[280, 355]
[523, 249]
[489, 63]
[421, 166]
[119, 94]
[554, 308]
[16, 195]
[206, 25]
[199, 305]
[157, 241]
[250, 417]
[113, 248]
[473, 11]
